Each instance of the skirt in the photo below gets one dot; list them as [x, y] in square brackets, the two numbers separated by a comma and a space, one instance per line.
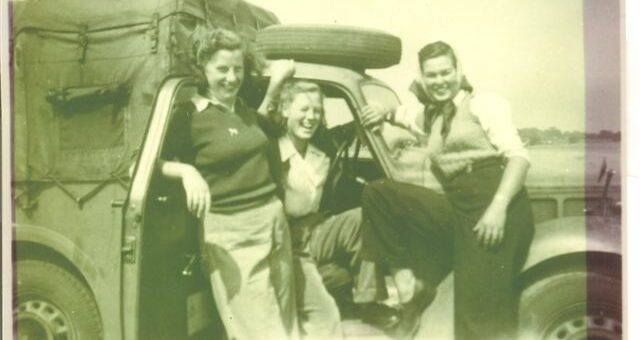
[249, 264]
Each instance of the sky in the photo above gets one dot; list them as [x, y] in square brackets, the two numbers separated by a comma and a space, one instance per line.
[531, 52]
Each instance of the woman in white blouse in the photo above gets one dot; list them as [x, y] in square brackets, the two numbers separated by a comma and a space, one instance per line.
[482, 226]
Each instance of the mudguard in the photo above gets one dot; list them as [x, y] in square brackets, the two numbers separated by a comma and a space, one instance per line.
[574, 235]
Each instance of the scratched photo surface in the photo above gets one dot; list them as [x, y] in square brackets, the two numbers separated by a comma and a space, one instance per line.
[107, 244]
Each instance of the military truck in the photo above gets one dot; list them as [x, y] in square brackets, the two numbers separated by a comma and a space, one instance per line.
[104, 245]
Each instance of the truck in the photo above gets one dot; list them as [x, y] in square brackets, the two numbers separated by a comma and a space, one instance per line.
[104, 245]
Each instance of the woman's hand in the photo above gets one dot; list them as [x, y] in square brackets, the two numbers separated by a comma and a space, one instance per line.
[196, 190]
[490, 228]
[281, 70]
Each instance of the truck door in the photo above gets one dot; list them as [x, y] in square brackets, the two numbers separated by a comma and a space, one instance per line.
[165, 295]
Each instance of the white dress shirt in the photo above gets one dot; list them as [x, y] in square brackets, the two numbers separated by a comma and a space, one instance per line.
[304, 178]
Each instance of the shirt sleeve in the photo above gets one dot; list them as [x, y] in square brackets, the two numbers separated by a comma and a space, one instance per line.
[408, 113]
[494, 115]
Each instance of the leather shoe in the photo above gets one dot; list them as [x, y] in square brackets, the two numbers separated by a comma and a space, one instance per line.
[411, 312]
[379, 315]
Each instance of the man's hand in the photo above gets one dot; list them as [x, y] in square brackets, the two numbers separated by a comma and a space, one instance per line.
[373, 114]
[490, 228]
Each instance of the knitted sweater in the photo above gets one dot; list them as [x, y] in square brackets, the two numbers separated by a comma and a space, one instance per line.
[466, 143]
[229, 149]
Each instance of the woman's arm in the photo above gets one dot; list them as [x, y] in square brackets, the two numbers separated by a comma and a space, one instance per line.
[195, 187]
[178, 153]
[280, 71]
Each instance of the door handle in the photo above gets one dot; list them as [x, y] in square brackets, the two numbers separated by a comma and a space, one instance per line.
[188, 269]
[117, 203]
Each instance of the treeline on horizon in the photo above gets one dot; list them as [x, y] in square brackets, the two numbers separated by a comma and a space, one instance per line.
[552, 135]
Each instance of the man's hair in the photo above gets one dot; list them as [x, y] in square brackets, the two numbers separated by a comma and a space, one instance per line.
[433, 50]
[437, 49]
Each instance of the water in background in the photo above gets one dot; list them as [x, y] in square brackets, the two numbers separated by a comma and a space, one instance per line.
[565, 164]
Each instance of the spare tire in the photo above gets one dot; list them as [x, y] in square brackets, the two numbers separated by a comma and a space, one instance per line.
[351, 47]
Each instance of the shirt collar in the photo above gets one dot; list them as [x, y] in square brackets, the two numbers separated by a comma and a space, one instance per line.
[201, 102]
[459, 98]
[287, 150]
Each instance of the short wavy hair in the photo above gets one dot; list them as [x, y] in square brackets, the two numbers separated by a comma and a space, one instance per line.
[208, 42]
[288, 92]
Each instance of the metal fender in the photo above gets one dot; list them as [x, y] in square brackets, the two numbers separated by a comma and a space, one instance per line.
[571, 235]
[60, 244]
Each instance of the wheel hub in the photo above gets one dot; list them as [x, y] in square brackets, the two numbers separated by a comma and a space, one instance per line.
[41, 320]
[596, 327]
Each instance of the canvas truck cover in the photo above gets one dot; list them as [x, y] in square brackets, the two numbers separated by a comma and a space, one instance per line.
[85, 75]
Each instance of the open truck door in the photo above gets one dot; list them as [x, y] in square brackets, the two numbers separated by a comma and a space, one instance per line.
[164, 295]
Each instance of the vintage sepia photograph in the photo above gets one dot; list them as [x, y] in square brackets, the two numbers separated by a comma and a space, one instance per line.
[313, 169]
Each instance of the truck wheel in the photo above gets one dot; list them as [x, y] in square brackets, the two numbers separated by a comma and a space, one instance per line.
[558, 307]
[53, 304]
[328, 44]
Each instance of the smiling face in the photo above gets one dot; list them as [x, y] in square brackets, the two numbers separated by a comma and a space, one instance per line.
[441, 78]
[304, 115]
[224, 73]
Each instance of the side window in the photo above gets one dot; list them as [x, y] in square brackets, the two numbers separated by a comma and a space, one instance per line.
[353, 164]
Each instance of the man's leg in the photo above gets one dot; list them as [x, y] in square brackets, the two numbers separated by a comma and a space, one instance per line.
[407, 227]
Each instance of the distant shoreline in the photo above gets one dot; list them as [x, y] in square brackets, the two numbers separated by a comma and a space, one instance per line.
[591, 142]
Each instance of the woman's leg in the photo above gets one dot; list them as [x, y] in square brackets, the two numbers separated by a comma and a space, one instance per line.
[249, 262]
[337, 240]
[317, 311]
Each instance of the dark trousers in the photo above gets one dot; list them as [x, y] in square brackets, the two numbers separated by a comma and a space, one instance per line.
[406, 226]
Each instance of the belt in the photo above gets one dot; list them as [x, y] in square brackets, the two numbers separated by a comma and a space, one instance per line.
[469, 168]
[307, 220]
[484, 163]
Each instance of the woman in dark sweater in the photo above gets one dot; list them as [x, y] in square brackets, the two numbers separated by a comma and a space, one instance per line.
[218, 149]
[481, 227]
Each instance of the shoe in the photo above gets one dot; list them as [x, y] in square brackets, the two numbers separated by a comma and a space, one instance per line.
[411, 312]
[379, 315]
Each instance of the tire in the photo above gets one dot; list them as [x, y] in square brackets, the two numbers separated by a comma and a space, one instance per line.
[557, 307]
[53, 304]
[351, 47]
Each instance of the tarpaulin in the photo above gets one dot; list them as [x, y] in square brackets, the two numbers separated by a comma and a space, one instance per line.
[85, 77]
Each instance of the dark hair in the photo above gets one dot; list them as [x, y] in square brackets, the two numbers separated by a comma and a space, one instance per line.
[436, 49]
[208, 42]
[433, 50]
[290, 89]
